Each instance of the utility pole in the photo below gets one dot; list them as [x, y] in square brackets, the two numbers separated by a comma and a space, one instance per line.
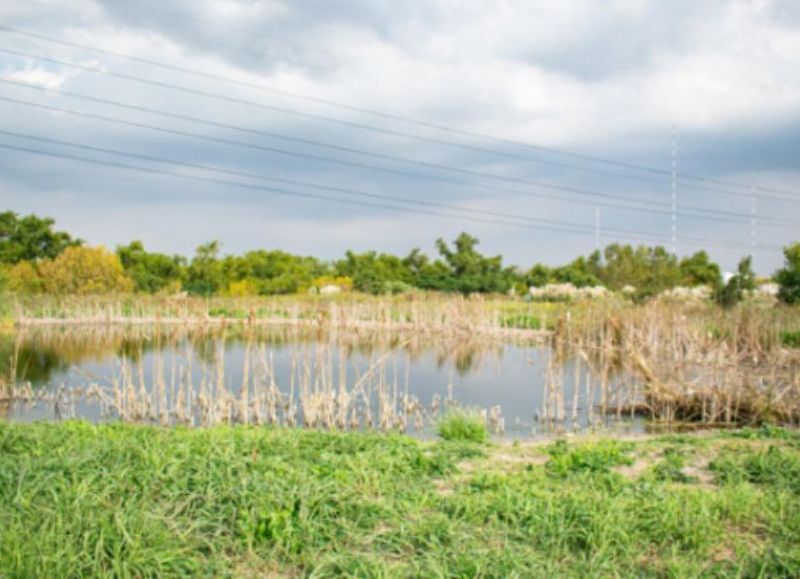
[674, 188]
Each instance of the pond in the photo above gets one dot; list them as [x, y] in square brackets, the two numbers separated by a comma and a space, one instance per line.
[200, 376]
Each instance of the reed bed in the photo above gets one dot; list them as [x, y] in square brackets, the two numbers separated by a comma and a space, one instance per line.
[420, 313]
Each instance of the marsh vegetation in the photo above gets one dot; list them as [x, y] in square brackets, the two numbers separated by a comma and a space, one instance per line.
[394, 364]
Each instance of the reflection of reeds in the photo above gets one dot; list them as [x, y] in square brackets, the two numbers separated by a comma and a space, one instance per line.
[312, 397]
[324, 389]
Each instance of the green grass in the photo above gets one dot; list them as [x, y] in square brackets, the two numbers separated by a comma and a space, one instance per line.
[772, 467]
[79, 500]
[598, 457]
[463, 424]
[671, 468]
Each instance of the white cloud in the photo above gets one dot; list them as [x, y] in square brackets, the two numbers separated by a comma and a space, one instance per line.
[588, 76]
[37, 76]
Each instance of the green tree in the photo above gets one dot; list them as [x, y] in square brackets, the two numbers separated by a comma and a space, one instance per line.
[376, 273]
[205, 274]
[30, 238]
[650, 270]
[466, 270]
[744, 280]
[151, 272]
[700, 270]
[582, 272]
[271, 272]
[538, 276]
[788, 277]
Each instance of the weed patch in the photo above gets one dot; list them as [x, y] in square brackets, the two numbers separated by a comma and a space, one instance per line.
[463, 424]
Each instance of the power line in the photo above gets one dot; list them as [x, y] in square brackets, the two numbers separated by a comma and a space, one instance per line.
[259, 187]
[565, 227]
[261, 176]
[311, 142]
[280, 92]
[376, 113]
[712, 214]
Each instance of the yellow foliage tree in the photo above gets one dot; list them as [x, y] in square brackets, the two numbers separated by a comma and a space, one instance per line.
[24, 278]
[84, 270]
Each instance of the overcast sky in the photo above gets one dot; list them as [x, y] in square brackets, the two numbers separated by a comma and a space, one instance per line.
[524, 123]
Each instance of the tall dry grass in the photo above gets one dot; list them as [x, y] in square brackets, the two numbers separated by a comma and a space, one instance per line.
[422, 313]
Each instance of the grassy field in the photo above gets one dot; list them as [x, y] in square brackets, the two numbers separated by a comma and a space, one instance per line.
[131, 501]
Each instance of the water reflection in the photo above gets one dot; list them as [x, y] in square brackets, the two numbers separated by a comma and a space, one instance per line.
[39, 355]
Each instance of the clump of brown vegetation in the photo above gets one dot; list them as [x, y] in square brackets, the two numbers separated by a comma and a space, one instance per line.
[677, 362]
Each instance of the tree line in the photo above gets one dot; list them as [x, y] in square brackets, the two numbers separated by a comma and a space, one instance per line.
[36, 258]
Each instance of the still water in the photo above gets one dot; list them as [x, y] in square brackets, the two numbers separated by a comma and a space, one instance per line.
[351, 380]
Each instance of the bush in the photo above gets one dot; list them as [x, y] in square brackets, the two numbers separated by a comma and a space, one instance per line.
[463, 424]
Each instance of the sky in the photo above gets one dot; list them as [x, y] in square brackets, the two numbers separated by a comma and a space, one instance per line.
[542, 128]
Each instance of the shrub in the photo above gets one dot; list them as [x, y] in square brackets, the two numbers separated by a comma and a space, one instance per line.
[463, 424]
